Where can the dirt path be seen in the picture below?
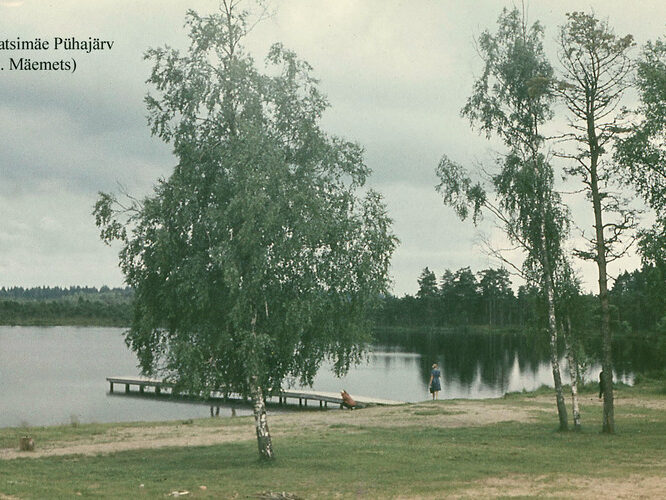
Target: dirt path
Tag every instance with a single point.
(565, 487)
(458, 413)
(449, 414)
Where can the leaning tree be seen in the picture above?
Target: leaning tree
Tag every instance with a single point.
(257, 259)
(512, 100)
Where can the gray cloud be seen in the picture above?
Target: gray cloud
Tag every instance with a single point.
(396, 74)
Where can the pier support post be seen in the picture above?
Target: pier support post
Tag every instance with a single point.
(127, 387)
(111, 387)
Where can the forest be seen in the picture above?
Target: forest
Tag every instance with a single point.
(485, 300)
(75, 305)
(489, 299)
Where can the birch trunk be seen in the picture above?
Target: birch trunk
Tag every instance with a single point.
(552, 330)
(555, 365)
(573, 373)
(261, 423)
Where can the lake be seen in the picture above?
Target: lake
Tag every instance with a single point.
(57, 375)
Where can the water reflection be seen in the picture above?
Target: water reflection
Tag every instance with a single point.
(493, 364)
(58, 375)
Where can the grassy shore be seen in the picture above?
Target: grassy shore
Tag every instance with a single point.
(488, 448)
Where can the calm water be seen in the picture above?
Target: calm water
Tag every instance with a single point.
(57, 375)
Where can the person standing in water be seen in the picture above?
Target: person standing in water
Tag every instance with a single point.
(434, 383)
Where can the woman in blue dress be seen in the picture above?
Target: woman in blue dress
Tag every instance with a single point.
(434, 383)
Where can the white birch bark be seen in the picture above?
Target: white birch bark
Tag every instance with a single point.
(573, 373)
(552, 330)
(261, 422)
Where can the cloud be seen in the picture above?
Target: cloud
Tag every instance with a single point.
(49, 237)
(396, 74)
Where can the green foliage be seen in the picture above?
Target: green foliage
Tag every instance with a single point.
(511, 100)
(263, 251)
(508, 101)
(458, 190)
(513, 94)
(640, 298)
(496, 294)
(537, 218)
(427, 284)
(641, 155)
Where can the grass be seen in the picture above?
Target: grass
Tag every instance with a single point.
(355, 461)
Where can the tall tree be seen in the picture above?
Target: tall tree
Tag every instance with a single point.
(512, 100)
(642, 154)
(427, 284)
(596, 70)
(428, 296)
(446, 293)
(259, 257)
(495, 287)
(465, 296)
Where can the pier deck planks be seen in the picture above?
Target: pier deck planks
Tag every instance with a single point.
(303, 395)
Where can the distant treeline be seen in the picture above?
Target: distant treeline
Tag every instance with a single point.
(66, 306)
(462, 298)
(47, 292)
(487, 299)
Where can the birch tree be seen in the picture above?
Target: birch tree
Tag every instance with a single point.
(259, 257)
(568, 293)
(512, 101)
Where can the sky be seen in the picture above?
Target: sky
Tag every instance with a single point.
(396, 74)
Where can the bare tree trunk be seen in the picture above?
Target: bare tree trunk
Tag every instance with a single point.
(608, 419)
(261, 422)
(573, 373)
(552, 330)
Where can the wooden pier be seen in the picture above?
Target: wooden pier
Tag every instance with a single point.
(160, 387)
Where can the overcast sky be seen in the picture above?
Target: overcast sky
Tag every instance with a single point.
(396, 74)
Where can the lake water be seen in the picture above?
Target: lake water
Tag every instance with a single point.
(57, 375)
